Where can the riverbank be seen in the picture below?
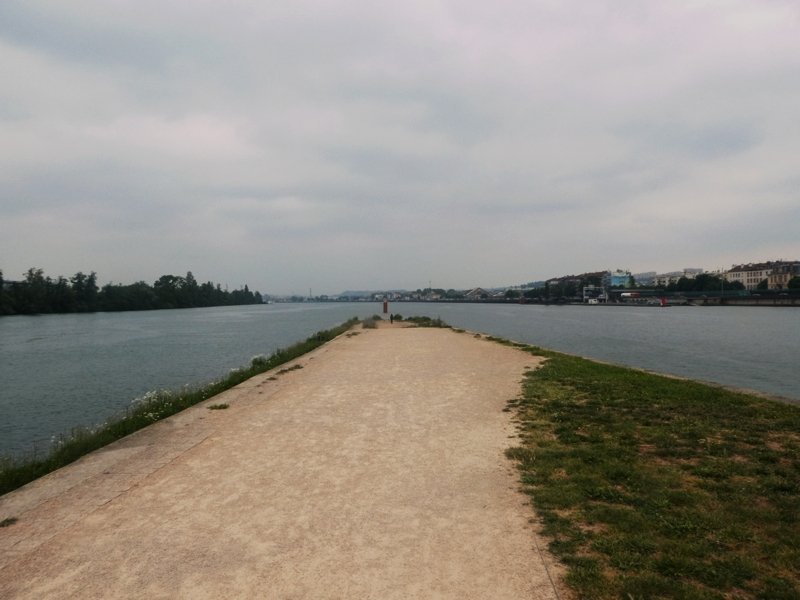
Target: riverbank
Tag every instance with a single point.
(372, 467)
(153, 407)
(656, 487)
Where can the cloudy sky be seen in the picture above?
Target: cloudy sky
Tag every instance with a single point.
(341, 145)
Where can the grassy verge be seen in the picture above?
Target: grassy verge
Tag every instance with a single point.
(427, 322)
(153, 407)
(654, 487)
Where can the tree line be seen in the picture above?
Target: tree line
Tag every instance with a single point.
(38, 294)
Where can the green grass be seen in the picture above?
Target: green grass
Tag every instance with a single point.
(153, 407)
(427, 322)
(654, 487)
(371, 322)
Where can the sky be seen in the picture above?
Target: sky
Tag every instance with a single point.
(338, 145)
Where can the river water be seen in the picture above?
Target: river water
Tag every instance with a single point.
(62, 371)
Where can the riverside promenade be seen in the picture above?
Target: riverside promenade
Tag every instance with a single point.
(374, 471)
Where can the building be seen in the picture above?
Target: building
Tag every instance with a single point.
(478, 294)
(782, 274)
(617, 278)
(665, 279)
(647, 278)
(751, 274)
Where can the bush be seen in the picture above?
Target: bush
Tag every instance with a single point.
(427, 322)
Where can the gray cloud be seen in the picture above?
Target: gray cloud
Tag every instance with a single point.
(310, 144)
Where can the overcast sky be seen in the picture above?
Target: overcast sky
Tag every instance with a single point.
(340, 145)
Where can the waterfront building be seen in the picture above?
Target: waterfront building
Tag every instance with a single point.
(665, 279)
(617, 278)
(751, 274)
(477, 294)
(781, 274)
(647, 278)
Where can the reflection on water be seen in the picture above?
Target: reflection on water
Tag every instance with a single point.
(60, 371)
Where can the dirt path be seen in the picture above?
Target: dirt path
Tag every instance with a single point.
(376, 471)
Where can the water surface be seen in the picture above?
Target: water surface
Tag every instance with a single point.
(61, 371)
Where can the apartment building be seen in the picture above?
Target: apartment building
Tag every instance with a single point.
(782, 273)
(750, 275)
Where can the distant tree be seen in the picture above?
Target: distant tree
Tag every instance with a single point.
(763, 284)
(136, 296)
(5, 299)
(534, 293)
(167, 288)
(594, 280)
(704, 282)
(512, 294)
(39, 294)
(631, 283)
(86, 291)
(60, 296)
(794, 283)
(30, 295)
(189, 292)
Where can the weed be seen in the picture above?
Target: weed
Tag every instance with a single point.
(8, 522)
(222, 406)
(427, 322)
(371, 322)
(654, 487)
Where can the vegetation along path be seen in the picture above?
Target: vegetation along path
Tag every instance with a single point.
(373, 467)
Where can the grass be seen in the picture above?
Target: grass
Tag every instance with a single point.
(371, 322)
(654, 487)
(153, 407)
(427, 322)
(222, 406)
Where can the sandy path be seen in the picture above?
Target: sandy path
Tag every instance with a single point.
(376, 471)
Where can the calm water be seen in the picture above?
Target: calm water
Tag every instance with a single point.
(60, 371)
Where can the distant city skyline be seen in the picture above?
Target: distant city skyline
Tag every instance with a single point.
(301, 145)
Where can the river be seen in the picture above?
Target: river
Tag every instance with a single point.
(62, 371)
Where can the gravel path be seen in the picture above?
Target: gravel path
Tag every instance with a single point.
(375, 471)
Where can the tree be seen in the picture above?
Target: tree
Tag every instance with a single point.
(794, 283)
(31, 293)
(60, 296)
(86, 291)
(763, 284)
(5, 299)
(167, 288)
(189, 293)
(39, 294)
